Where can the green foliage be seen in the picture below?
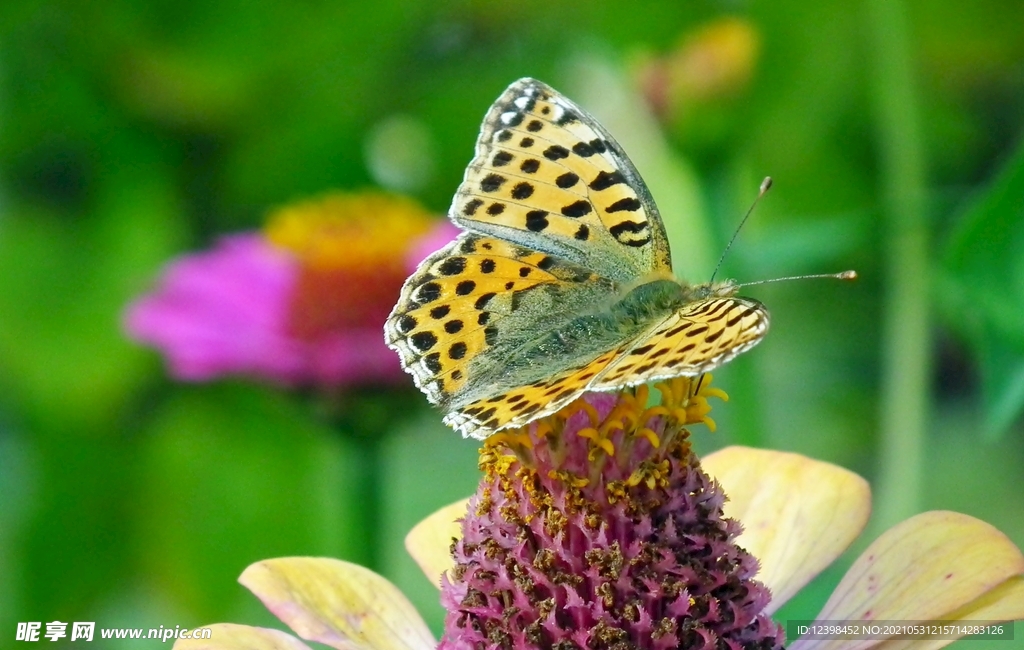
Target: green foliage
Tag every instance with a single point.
(982, 292)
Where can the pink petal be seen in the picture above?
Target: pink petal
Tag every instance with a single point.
(222, 312)
(357, 356)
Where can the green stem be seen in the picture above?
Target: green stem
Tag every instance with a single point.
(906, 343)
(365, 417)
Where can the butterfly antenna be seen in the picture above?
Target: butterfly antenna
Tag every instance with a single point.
(766, 185)
(845, 275)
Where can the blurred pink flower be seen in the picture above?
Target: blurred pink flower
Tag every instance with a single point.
(302, 303)
(713, 62)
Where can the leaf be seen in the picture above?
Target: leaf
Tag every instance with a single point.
(982, 292)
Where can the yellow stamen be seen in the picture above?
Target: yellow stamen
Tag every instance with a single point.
(651, 437)
(349, 230)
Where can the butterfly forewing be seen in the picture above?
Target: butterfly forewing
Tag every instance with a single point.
(466, 315)
(547, 176)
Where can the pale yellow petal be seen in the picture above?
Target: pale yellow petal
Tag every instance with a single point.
(932, 566)
(227, 636)
(429, 542)
(1004, 604)
(337, 603)
(798, 514)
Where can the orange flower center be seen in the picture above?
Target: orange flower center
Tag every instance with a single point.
(352, 251)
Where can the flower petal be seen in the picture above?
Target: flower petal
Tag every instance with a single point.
(1004, 603)
(429, 542)
(221, 312)
(798, 514)
(227, 636)
(933, 566)
(337, 603)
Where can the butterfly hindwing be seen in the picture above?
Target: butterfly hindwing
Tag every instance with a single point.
(547, 176)
(695, 339)
(521, 405)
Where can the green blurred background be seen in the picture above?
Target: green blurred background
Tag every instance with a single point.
(132, 132)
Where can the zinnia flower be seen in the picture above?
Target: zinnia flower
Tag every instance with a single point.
(301, 303)
(709, 63)
(598, 528)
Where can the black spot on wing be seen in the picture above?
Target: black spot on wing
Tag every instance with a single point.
(423, 341)
(536, 220)
(492, 182)
(433, 362)
(522, 191)
(440, 311)
(583, 150)
(630, 204)
(515, 119)
(406, 324)
(452, 266)
(643, 349)
(471, 207)
(622, 231)
(627, 226)
(604, 180)
(567, 117)
(428, 292)
(501, 159)
(567, 180)
(577, 209)
(556, 152)
(482, 301)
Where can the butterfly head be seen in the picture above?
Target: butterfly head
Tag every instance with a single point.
(714, 290)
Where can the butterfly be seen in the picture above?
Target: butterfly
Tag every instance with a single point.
(561, 282)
